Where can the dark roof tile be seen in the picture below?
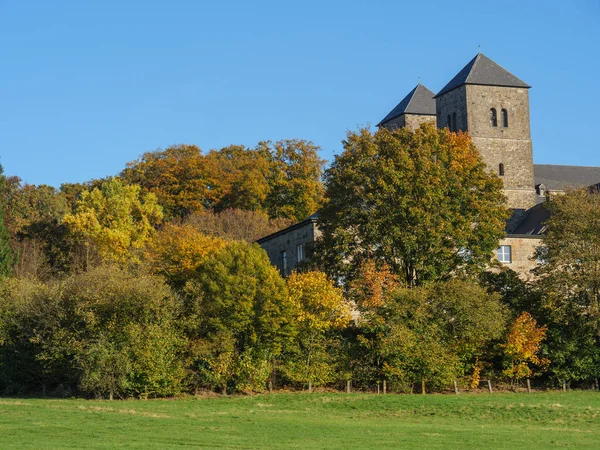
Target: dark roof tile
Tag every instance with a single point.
(559, 178)
(418, 101)
(482, 70)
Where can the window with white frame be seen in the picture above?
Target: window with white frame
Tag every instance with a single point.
(504, 254)
(299, 253)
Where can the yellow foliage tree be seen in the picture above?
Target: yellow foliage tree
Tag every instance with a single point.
(522, 348)
(319, 307)
(319, 304)
(116, 219)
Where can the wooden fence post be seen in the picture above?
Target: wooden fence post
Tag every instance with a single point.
(455, 387)
(528, 385)
(270, 387)
(378, 387)
(423, 387)
(348, 386)
(384, 387)
(490, 386)
(564, 386)
(309, 387)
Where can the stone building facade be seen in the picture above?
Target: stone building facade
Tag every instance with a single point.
(492, 105)
(289, 247)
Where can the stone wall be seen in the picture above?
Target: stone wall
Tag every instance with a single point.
(410, 121)
(510, 146)
(523, 250)
(452, 102)
(396, 122)
(303, 233)
(480, 99)
(414, 121)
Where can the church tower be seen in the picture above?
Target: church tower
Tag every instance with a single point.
(493, 106)
(416, 108)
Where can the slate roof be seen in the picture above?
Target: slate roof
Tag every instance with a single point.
(482, 70)
(534, 223)
(309, 219)
(418, 101)
(558, 178)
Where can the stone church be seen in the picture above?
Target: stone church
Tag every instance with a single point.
(491, 104)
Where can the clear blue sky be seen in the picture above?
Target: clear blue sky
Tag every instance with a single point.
(86, 86)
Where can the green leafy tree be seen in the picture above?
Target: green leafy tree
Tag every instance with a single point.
(296, 189)
(104, 332)
(569, 281)
(237, 296)
(6, 254)
(33, 218)
(422, 202)
(432, 333)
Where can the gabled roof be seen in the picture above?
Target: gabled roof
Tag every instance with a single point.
(534, 224)
(309, 219)
(418, 101)
(558, 178)
(482, 70)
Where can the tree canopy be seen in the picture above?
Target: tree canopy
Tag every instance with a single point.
(117, 219)
(422, 202)
(281, 179)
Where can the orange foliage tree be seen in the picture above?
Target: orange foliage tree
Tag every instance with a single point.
(370, 287)
(178, 250)
(180, 176)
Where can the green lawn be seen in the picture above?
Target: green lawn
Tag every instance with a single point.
(304, 421)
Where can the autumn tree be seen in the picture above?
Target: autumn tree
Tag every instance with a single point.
(569, 282)
(241, 177)
(180, 176)
(522, 348)
(420, 201)
(176, 252)
(116, 220)
(372, 285)
(236, 224)
(319, 308)
(295, 170)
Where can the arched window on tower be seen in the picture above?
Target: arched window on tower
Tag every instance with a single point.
(449, 124)
(504, 113)
(454, 127)
(493, 117)
(501, 170)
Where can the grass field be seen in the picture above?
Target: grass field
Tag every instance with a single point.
(306, 421)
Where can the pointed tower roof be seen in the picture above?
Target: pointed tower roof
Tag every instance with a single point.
(482, 70)
(418, 101)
